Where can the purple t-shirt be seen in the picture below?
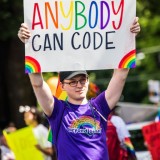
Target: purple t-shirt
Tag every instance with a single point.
(78, 130)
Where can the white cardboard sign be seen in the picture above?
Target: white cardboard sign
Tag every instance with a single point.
(79, 35)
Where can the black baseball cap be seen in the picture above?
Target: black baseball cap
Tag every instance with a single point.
(70, 74)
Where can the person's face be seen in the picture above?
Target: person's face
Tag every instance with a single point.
(76, 87)
(28, 118)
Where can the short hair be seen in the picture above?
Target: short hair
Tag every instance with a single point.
(32, 109)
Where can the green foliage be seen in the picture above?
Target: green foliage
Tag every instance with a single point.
(136, 89)
(11, 16)
(148, 42)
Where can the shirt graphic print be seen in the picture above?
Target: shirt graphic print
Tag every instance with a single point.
(85, 125)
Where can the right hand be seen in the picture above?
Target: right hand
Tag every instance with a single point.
(135, 28)
(24, 32)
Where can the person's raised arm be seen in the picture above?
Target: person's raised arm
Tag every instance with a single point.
(118, 79)
(116, 86)
(42, 92)
(40, 87)
(47, 151)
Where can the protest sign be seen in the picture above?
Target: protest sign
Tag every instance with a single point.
(22, 142)
(151, 134)
(78, 35)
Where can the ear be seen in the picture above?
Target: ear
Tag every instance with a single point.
(62, 86)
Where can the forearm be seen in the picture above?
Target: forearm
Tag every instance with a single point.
(121, 74)
(42, 92)
(116, 86)
(47, 151)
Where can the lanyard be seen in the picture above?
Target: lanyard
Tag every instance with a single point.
(98, 112)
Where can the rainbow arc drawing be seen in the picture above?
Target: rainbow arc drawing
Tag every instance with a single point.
(129, 60)
(31, 65)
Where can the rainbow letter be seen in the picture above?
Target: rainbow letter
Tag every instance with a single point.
(106, 4)
(121, 6)
(55, 20)
(79, 14)
(36, 8)
(70, 13)
(90, 14)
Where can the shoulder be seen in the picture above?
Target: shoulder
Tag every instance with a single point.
(118, 121)
(100, 99)
(59, 106)
(116, 118)
(41, 129)
(41, 126)
(101, 104)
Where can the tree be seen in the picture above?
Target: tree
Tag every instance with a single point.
(15, 88)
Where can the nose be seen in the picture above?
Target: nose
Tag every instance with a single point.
(79, 84)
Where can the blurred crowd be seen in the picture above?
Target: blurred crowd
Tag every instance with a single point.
(35, 119)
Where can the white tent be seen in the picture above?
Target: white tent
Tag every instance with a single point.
(135, 112)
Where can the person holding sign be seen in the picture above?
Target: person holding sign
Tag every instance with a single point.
(119, 143)
(32, 118)
(5, 151)
(78, 125)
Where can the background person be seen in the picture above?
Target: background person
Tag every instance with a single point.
(33, 118)
(6, 152)
(119, 144)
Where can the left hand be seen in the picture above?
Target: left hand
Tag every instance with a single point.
(135, 28)
(38, 147)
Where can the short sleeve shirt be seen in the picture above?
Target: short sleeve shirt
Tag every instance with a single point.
(78, 131)
(41, 134)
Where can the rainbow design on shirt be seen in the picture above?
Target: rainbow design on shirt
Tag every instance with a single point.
(31, 65)
(129, 60)
(85, 121)
(85, 125)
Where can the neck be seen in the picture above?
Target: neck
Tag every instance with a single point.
(34, 124)
(78, 101)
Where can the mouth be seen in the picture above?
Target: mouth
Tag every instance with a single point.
(80, 91)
